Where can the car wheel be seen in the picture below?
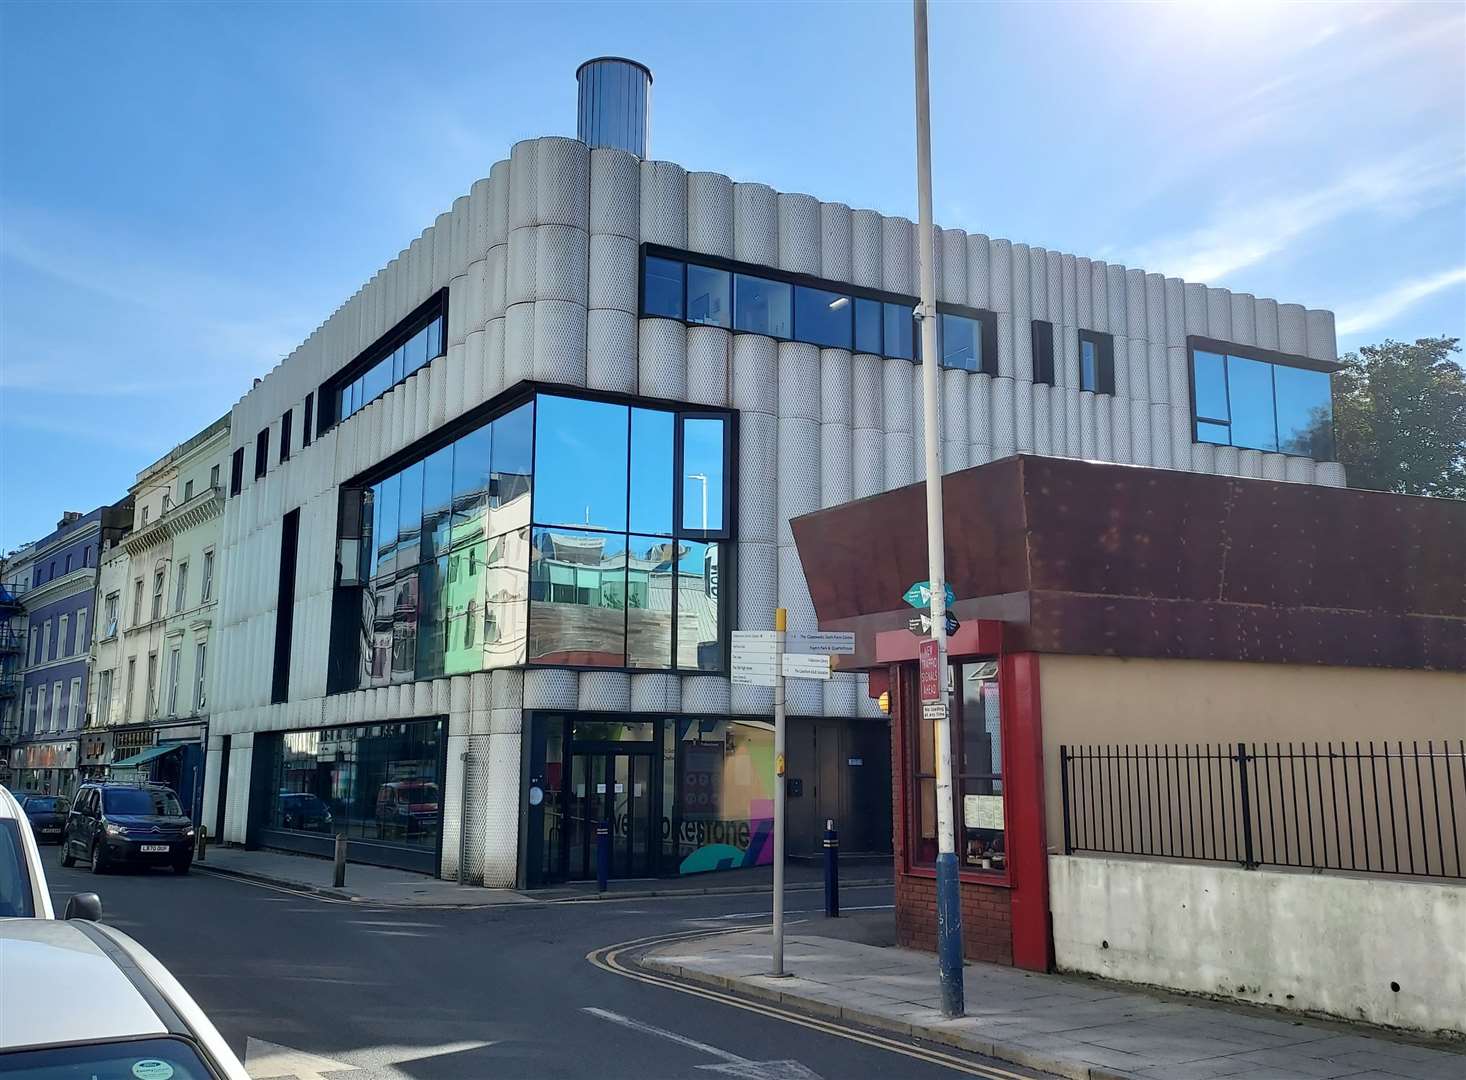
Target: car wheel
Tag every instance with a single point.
(99, 859)
(183, 867)
(67, 858)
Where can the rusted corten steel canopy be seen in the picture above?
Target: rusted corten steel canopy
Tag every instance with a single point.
(1116, 560)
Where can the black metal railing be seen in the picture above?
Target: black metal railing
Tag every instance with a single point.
(1393, 808)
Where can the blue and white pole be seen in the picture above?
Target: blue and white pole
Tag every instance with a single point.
(949, 906)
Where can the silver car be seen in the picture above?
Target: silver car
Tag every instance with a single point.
(85, 1000)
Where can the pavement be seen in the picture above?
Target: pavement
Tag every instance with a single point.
(1085, 1029)
(382, 886)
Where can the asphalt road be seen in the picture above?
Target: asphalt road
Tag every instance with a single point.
(502, 993)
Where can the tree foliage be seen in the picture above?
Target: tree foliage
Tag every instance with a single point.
(1400, 417)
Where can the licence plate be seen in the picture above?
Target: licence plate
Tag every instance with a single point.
(48, 832)
(154, 849)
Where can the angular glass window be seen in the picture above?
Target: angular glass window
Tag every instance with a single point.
(415, 352)
(409, 511)
(823, 318)
(649, 602)
(375, 381)
(761, 307)
(1207, 432)
(404, 628)
(652, 485)
(661, 287)
(398, 358)
(898, 332)
(510, 480)
(434, 336)
(437, 502)
(580, 463)
(1088, 365)
(699, 635)
(868, 326)
(702, 473)
(1250, 394)
(577, 588)
(471, 456)
(384, 525)
(1209, 386)
(1305, 412)
(708, 296)
(961, 343)
(431, 585)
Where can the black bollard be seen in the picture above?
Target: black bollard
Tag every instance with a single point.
(832, 871)
(603, 854)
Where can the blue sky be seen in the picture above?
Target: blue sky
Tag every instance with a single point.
(187, 190)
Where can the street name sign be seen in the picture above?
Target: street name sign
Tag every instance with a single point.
(806, 665)
(920, 595)
(829, 642)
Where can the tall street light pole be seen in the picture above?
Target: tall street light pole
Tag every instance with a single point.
(949, 906)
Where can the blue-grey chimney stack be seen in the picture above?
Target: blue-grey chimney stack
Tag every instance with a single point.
(615, 104)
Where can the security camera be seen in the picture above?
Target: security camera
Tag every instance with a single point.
(916, 313)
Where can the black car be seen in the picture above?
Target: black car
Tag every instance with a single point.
(112, 824)
(47, 815)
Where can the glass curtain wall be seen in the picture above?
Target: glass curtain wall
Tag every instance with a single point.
(1245, 402)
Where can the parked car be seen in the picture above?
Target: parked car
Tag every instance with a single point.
(304, 811)
(111, 824)
(85, 1000)
(407, 807)
(23, 890)
(47, 814)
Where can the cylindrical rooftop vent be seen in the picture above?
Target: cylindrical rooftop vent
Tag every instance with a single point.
(615, 104)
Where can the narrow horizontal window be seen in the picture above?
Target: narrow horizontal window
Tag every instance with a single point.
(661, 287)
(898, 331)
(868, 326)
(709, 296)
(823, 318)
(761, 306)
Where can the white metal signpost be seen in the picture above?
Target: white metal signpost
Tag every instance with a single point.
(760, 659)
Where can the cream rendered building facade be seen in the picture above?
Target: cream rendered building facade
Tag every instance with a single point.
(542, 263)
(158, 591)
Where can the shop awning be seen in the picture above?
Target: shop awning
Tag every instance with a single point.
(150, 754)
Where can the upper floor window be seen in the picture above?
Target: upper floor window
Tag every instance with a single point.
(214, 477)
(187, 490)
(285, 433)
(236, 472)
(262, 452)
(705, 291)
(307, 419)
(417, 340)
(109, 616)
(159, 579)
(206, 584)
(1260, 403)
(137, 601)
(1043, 351)
(180, 594)
(1096, 362)
(147, 512)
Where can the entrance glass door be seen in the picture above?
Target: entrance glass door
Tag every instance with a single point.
(616, 788)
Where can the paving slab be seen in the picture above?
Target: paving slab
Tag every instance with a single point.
(1077, 1028)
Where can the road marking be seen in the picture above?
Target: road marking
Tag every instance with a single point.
(663, 1033)
(608, 958)
(269, 1061)
(801, 911)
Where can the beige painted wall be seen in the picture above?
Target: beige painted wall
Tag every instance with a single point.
(1105, 700)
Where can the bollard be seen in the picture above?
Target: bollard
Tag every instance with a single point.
(603, 854)
(203, 843)
(340, 875)
(832, 871)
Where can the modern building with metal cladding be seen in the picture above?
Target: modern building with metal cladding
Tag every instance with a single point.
(490, 526)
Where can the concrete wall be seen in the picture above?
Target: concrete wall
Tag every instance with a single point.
(540, 261)
(1108, 700)
(1383, 951)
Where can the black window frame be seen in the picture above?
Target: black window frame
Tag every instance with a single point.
(1041, 334)
(236, 472)
(287, 421)
(1104, 361)
(262, 453)
(987, 320)
(1273, 358)
(434, 308)
(307, 420)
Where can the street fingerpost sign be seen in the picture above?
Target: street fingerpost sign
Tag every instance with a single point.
(920, 595)
(755, 657)
(921, 625)
(806, 666)
(828, 642)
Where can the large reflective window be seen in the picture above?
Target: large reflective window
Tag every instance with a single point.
(506, 618)
(702, 473)
(661, 287)
(384, 595)
(868, 326)
(709, 296)
(434, 336)
(471, 457)
(409, 510)
(652, 459)
(1250, 392)
(415, 352)
(376, 381)
(577, 587)
(465, 599)
(725, 802)
(404, 627)
(437, 502)
(961, 343)
(898, 329)
(823, 318)
(385, 524)
(513, 468)
(580, 463)
(432, 583)
(1305, 412)
(649, 602)
(761, 307)
(699, 636)
(1209, 386)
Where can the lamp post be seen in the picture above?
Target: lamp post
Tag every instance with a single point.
(702, 477)
(949, 906)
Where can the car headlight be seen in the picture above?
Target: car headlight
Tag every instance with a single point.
(188, 832)
(115, 830)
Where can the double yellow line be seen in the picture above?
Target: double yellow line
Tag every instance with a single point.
(608, 958)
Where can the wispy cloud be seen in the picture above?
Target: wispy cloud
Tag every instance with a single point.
(1386, 306)
(1243, 233)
